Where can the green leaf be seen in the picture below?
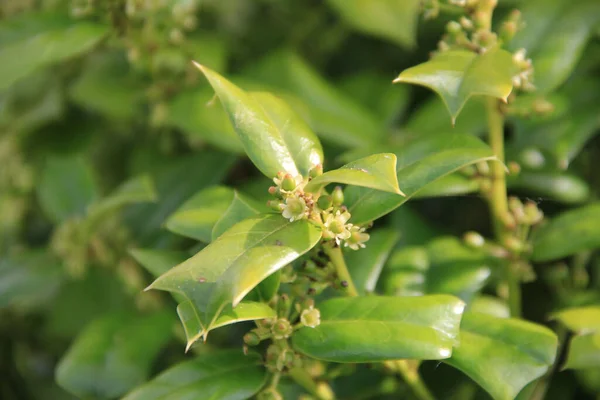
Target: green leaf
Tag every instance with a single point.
(503, 354)
(137, 190)
(365, 265)
(274, 137)
(197, 217)
(445, 265)
(195, 112)
(224, 374)
(580, 319)
(245, 311)
(457, 75)
(29, 280)
(21, 57)
(388, 19)
(241, 207)
(376, 172)
(370, 329)
(113, 354)
(227, 269)
(419, 163)
(555, 36)
(431, 118)
(489, 305)
(331, 113)
(159, 262)
(66, 187)
(549, 240)
(450, 185)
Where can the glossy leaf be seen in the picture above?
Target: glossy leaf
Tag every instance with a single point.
(335, 117)
(419, 163)
(431, 118)
(556, 34)
(21, 57)
(241, 207)
(484, 304)
(274, 137)
(224, 374)
(195, 329)
(197, 217)
(376, 172)
(581, 319)
(503, 355)
(457, 75)
(66, 188)
(368, 329)
(445, 265)
(455, 184)
(549, 241)
(388, 19)
(113, 354)
(366, 264)
(159, 262)
(227, 269)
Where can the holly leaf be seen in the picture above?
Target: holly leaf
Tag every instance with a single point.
(377, 172)
(457, 75)
(227, 269)
(370, 329)
(241, 207)
(420, 163)
(584, 349)
(503, 355)
(274, 137)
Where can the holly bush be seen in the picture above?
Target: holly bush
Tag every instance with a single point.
(341, 199)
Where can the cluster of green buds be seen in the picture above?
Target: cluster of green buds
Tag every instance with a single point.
(481, 173)
(524, 79)
(327, 211)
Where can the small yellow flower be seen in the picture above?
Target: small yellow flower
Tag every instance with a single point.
(357, 238)
(294, 208)
(336, 227)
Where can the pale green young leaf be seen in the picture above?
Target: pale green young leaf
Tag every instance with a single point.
(584, 349)
(224, 374)
(274, 137)
(370, 329)
(457, 75)
(503, 355)
(376, 172)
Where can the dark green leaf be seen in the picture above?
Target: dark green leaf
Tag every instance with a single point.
(225, 374)
(136, 190)
(549, 242)
(66, 187)
(564, 187)
(241, 207)
(419, 164)
(227, 269)
(388, 19)
(365, 265)
(503, 354)
(113, 354)
(274, 137)
(367, 329)
(457, 75)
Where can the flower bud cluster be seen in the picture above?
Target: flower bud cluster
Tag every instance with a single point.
(524, 79)
(327, 211)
